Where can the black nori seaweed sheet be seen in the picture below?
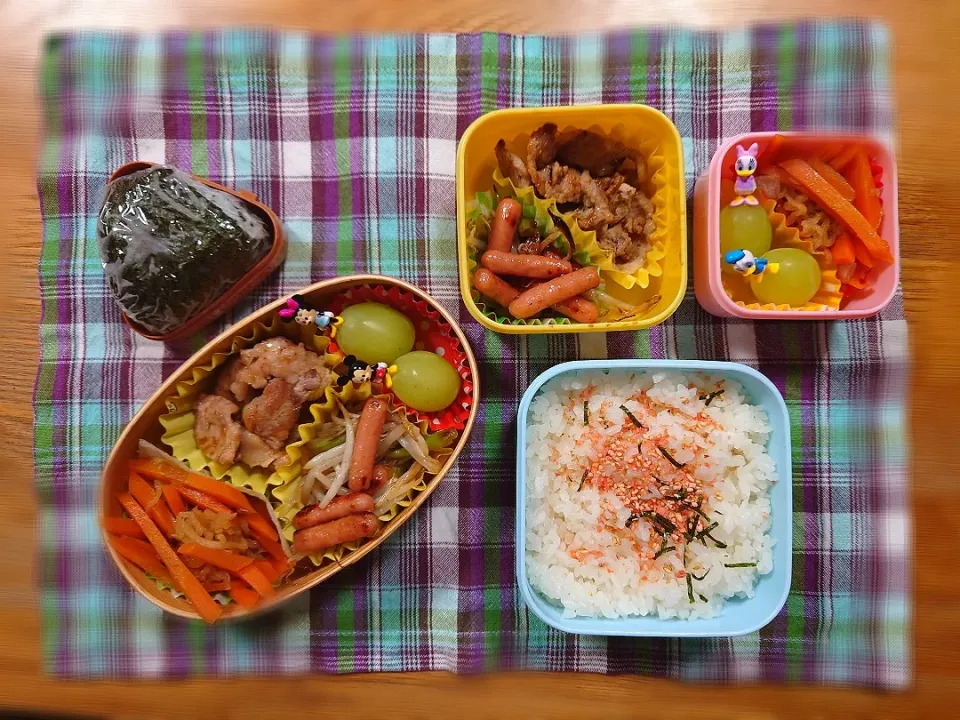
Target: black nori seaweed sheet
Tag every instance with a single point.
(171, 245)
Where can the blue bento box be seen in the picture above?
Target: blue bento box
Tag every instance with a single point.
(739, 616)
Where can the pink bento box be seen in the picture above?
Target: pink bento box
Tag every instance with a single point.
(706, 232)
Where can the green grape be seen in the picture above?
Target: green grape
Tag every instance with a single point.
(745, 227)
(375, 333)
(797, 280)
(425, 381)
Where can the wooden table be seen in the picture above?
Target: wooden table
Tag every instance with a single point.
(928, 95)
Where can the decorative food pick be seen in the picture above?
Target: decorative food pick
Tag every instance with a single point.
(746, 185)
(425, 381)
(359, 372)
(297, 310)
(749, 265)
(745, 227)
(375, 333)
(796, 281)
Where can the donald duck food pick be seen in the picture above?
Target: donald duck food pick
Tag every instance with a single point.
(746, 185)
(748, 265)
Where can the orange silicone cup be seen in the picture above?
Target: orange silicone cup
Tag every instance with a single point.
(706, 229)
(217, 307)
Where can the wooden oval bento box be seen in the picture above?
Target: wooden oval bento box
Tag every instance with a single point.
(146, 425)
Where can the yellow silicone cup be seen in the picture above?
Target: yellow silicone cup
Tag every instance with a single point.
(655, 186)
(583, 241)
(828, 296)
(656, 137)
(287, 494)
(179, 421)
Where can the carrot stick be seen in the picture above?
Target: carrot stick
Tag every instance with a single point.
(863, 255)
(144, 494)
(282, 566)
(261, 527)
(834, 178)
(859, 278)
(243, 595)
(842, 250)
(826, 196)
(840, 161)
(268, 542)
(771, 153)
(168, 472)
(201, 499)
(222, 585)
(122, 526)
(251, 573)
(829, 151)
(218, 558)
(268, 570)
(861, 178)
(849, 291)
(141, 554)
(185, 580)
(173, 499)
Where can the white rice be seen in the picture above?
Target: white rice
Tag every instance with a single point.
(728, 456)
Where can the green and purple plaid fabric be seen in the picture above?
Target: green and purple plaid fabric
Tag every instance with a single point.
(352, 141)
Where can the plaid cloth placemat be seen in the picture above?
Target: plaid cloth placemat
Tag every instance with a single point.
(352, 141)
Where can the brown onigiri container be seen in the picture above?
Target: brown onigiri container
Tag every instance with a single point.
(270, 262)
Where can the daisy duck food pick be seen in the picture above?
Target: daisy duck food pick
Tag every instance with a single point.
(746, 184)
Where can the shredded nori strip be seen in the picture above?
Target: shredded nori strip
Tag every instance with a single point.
(690, 588)
(721, 545)
(586, 414)
(703, 598)
(664, 549)
(583, 480)
(709, 398)
(657, 519)
(739, 565)
(664, 522)
(631, 520)
(706, 530)
(691, 530)
(668, 456)
(696, 508)
(633, 418)
(701, 578)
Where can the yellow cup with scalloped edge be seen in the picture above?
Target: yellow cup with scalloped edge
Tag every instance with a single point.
(660, 285)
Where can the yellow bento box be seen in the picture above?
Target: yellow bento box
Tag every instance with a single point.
(639, 127)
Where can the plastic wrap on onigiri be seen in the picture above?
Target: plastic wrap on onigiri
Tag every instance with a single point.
(170, 245)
